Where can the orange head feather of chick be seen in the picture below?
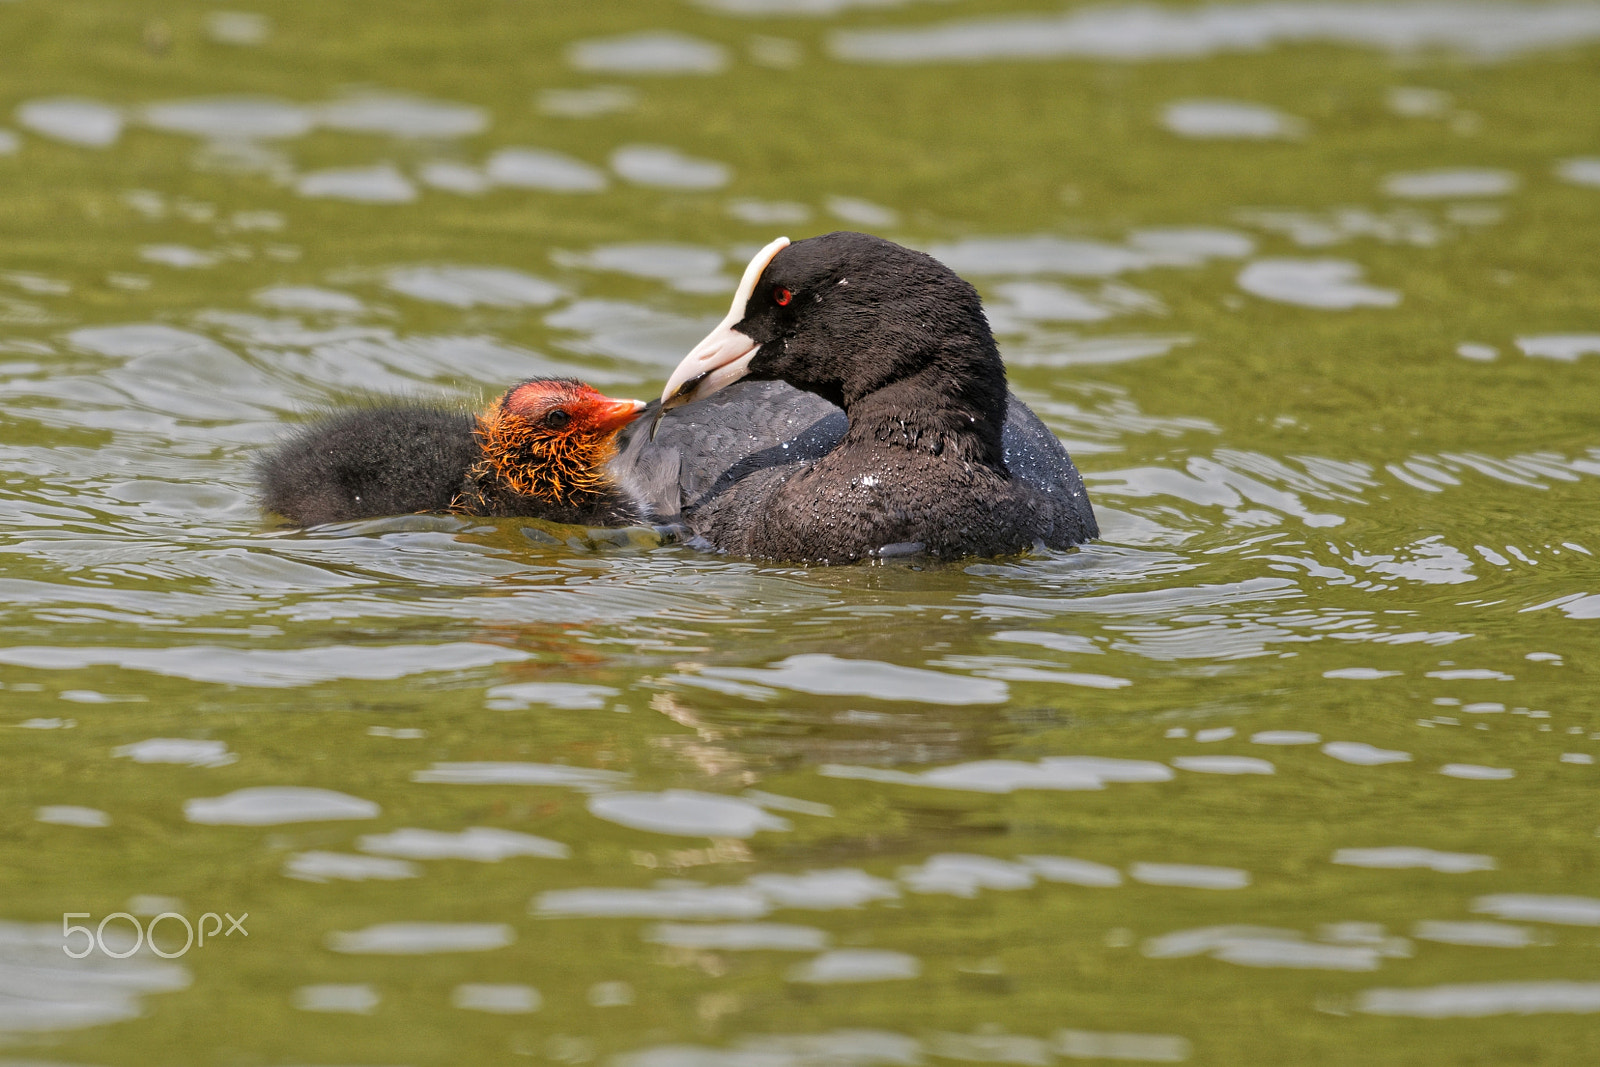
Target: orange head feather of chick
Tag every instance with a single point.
(548, 438)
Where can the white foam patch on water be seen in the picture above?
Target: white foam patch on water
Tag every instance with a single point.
(861, 212)
(1224, 764)
(1404, 857)
(351, 999)
(1579, 171)
(856, 965)
(1540, 908)
(1285, 737)
(272, 805)
(1329, 284)
(1477, 772)
(72, 815)
(567, 695)
(496, 999)
(675, 901)
(9, 142)
(421, 938)
(230, 118)
(379, 184)
(1259, 946)
(1070, 871)
(1474, 934)
(540, 168)
(452, 177)
(650, 52)
(72, 119)
(1568, 347)
(1362, 754)
(401, 115)
(1190, 876)
(308, 298)
(960, 874)
(1447, 184)
(1225, 120)
(42, 989)
(769, 212)
(269, 667)
(519, 774)
(1481, 999)
(588, 103)
(828, 675)
(739, 937)
(668, 168)
(177, 750)
(826, 890)
(481, 843)
(242, 28)
(687, 812)
(466, 287)
(1140, 32)
(344, 867)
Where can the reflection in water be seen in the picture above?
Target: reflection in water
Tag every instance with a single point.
(1474, 1000)
(1134, 33)
(72, 119)
(270, 805)
(416, 939)
(1229, 119)
(1405, 857)
(856, 965)
(43, 989)
(658, 52)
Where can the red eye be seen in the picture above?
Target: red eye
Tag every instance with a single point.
(782, 295)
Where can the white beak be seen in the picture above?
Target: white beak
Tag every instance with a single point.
(724, 356)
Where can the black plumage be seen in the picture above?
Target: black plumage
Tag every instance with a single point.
(384, 458)
(934, 455)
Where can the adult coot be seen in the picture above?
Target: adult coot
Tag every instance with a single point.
(900, 343)
(541, 450)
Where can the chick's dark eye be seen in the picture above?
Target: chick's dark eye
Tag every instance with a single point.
(557, 419)
(781, 295)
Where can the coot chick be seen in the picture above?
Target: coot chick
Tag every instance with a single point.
(541, 450)
(900, 342)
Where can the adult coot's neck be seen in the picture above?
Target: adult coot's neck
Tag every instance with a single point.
(954, 406)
